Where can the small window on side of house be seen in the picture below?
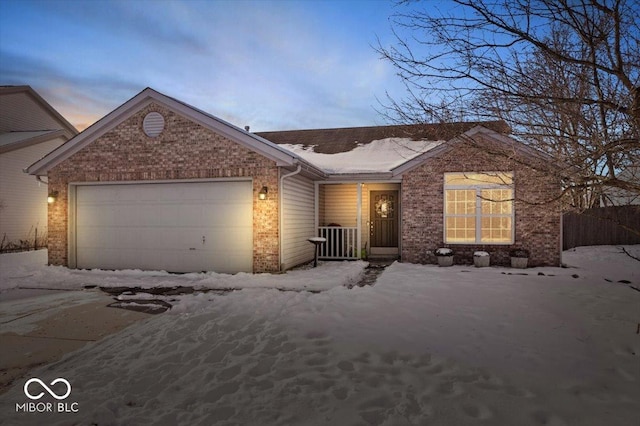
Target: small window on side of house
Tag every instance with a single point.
(478, 208)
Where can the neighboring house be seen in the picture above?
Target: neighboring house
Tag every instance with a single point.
(158, 184)
(621, 197)
(29, 129)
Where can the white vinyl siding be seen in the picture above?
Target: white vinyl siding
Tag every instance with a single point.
(341, 205)
(478, 208)
(177, 227)
(23, 199)
(298, 206)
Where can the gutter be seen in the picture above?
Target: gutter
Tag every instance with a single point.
(280, 207)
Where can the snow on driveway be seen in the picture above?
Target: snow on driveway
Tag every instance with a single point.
(425, 345)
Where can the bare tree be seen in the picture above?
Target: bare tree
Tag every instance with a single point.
(564, 74)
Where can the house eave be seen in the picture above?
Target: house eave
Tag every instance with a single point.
(307, 169)
(362, 177)
(23, 143)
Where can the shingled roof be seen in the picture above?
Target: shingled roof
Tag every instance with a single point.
(332, 141)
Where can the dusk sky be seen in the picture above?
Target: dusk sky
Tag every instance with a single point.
(273, 65)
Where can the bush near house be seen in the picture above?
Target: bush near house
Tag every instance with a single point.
(34, 240)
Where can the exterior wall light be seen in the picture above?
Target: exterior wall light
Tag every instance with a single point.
(53, 195)
(262, 195)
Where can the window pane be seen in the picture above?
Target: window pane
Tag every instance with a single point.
(460, 229)
(497, 201)
(478, 179)
(496, 229)
(460, 201)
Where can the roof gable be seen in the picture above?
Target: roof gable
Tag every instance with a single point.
(22, 109)
(506, 141)
(250, 141)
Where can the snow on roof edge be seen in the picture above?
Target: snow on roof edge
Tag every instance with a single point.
(378, 156)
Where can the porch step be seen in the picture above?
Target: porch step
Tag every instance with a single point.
(383, 259)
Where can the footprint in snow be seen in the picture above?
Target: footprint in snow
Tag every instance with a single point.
(544, 418)
(346, 366)
(477, 411)
(222, 390)
(262, 367)
(340, 393)
(316, 334)
(316, 361)
(229, 373)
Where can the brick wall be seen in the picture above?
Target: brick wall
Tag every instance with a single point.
(537, 214)
(184, 150)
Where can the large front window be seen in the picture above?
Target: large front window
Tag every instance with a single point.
(478, 208)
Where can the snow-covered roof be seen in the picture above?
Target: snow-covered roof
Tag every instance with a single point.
(378, 156)
(373, 151)
(342, 139)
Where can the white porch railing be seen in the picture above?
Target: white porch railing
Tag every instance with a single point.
(342, 242)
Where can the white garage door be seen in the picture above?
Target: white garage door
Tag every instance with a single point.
(176, 227)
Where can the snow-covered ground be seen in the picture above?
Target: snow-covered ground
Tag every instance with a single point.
(425, 345)
(28, 270)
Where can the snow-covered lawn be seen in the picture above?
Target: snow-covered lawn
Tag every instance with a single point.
(27, 270)
(424, 346)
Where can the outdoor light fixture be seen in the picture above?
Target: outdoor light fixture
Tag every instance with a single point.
(263, 193)
(53, 195)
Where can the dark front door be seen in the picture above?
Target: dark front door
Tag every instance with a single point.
(383, 212)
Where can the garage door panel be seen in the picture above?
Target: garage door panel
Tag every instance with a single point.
(240, 243)
(190, 214)
(230, 215)
(216, 240)
(161, 226)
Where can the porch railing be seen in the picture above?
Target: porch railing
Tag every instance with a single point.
(342, 242)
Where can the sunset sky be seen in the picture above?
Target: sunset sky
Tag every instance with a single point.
(273, 65)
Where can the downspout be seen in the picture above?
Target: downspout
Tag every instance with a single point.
(280, 207)
(39, 179)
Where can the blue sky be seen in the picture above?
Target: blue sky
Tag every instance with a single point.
(272, 65)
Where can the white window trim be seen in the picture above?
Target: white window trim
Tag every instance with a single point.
(478, 213)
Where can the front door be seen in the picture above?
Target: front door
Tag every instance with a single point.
(383, 213)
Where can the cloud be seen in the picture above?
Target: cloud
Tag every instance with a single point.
(271, 65)
(80, 99)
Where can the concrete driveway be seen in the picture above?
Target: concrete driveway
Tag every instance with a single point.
(38, 327)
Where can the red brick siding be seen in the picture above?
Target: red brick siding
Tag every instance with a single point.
(537, 222)
(184, 150)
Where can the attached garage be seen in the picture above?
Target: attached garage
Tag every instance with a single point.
(177, 226)
(159, 185)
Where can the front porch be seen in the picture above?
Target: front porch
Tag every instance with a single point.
(358, 219)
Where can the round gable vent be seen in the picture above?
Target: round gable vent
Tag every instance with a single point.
(153, 124)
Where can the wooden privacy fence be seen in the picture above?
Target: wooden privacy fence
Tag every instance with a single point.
(601, 226)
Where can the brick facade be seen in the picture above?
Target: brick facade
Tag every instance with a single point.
(184, 150)
(537, 215)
